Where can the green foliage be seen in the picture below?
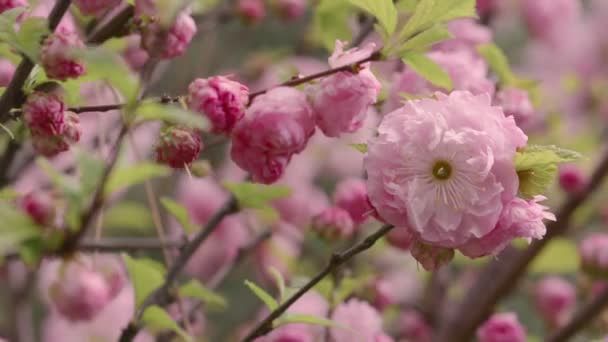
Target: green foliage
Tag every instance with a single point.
(560, 256)
(430, 12)
(307, 319)
(171, 114)
(428, 69)
(157, 319)
(146, 275)
(279, 281)
(426, 39)
(194, 289)
(536, 167)
(179, 213)
(127, 176)
(128, 216)
(383, 10)
(359, 147)
(331, 22)
(264, 296)
(256, 196)
(29, 37)
(15, 228)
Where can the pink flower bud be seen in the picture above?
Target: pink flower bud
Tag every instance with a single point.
(178, 147)
(515, 102)
(179, 37)
(58, 57)
(431, 257)
(351, 195)
(555, 300)
(500, 328)
(341, 100)
(571, 178)
(6, 5)
(253, 11)
(413, 327)
(291, 9)
(594, 254)
(400, 237)
(334, 224)
(7, 70)
(44, 113)
(80, 293)
(39, 206)
(222, 100)
(95, 7)
(275, 127)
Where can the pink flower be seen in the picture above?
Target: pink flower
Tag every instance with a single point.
(555, 300)
(58, 55)
(179, 36)
(444, 168)
(431, 257)
(7, 70)
(503, 327)
(275, 127)
(546, 19)
(39, 206)
(341, 100)
(44, 113)
(253, 11)
(334, 224)
(515, 102)
(467, 71)
(519, 219)
(220, 99)
(467, 34)
(351, 195)
(400, 237)
(413, 327)
(6, 5)
(486, 7)
(95, 7)
(311, 304)
(572, 179)
(50, 145)
(291, 9)
(134, 55)
(361, 319)
(178, 147)
(594, 254)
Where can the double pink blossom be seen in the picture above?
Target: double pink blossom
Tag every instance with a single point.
(58, 55)
(178, 147)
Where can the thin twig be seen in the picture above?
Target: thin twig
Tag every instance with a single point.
(582, 318)
(337, 259)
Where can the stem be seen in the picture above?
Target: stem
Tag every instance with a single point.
(337, 259)
(503, 274)
(585, 316)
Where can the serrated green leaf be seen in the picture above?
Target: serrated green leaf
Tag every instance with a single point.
(156, 318)
(180, 214)
(383, 10)
(145, 276)
(497, 61)
(430, 12)
(428, 69)
(15, 228)
(426, 39)
(171, 114)
(125, 177)
(560, 256)
(359, 147)
(264, 296)
(537, 180)
(279, 281)
(256, 196)
(128, 216)
(308, 319)
(194, 289)
(331, 22)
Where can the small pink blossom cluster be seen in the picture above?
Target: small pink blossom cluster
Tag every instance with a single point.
(85, 286)
(59, 55)
(442, 169)
(500, 328)
(52, 127)
(594, 254)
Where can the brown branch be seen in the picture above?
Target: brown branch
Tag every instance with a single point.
(585, 316)
(337, 259)
(502, 275)
(112, 27)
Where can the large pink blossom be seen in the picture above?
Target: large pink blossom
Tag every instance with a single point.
(444, 167)
(361, 320)
(516, 102)
(503, 327)
(519, 219)
(341, 100)
(555, 300)
(275, 127)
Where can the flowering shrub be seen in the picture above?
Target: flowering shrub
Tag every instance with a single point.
(302, 171)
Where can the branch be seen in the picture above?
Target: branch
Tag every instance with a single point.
(112, 26)
(585, 316)
(503, 274)
(337, 259)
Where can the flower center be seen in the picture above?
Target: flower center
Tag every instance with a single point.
(442, 170)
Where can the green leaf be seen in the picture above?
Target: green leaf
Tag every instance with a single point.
(180, 214)
(171, 114)
(560, 256)
(426, 39)
(428, 69)
(359, 147)
(256, 196)
(128, 216)
(383, 10)
(497, 61)
(30, 35)
(431, 12)
(279, 281)
(145, 275)
(308, 319)
(331, 22)
(264, 296)
(157, 319)
(15, 228)
(71, 190)
(134, 174)
(90, 170)
(194, 289)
